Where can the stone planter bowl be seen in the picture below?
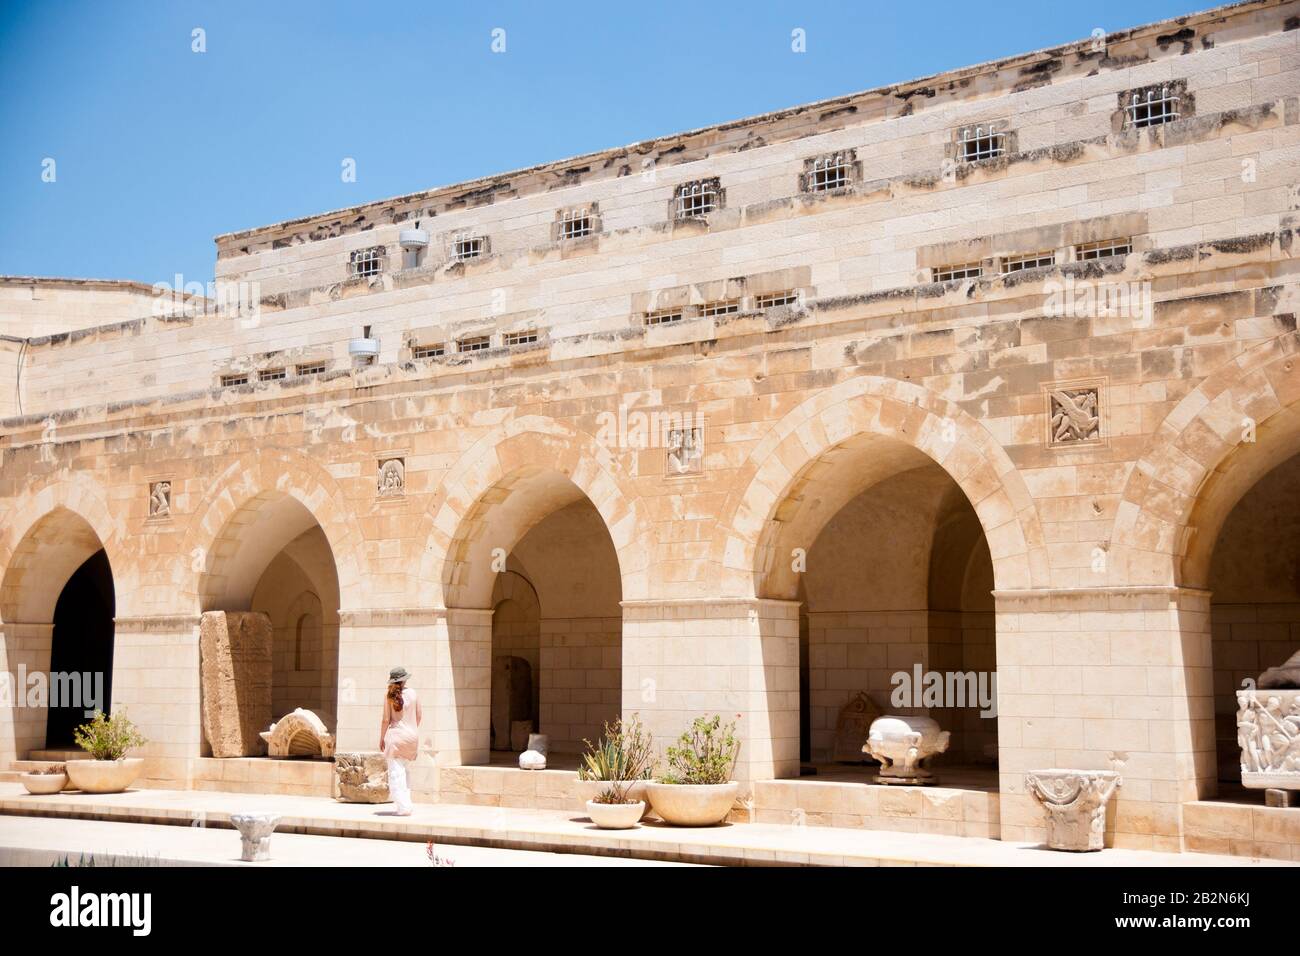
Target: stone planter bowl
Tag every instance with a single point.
(104, 776)
(44, 782)
(615, 816)
(692, 805)
(588, 790)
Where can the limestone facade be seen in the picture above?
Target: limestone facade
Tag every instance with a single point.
(747, 463)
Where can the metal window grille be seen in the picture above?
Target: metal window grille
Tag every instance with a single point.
(979, 142)
(270, 374)
(521, 338)
(773, 299)
(310, 368)
(428, 351)
(830, 172)
(229, 381)
(1034, 261)
(476, 344)
(366, 262)
(663, 317)
(1153, 107)
(466, 247)
(724, 307)
(575, 223)
(1101, 250)
(969, 270)
(696, 199)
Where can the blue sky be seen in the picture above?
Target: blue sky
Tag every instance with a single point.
(157, 148)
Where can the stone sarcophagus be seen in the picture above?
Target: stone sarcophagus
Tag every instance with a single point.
(1268, 730)
(235, 667)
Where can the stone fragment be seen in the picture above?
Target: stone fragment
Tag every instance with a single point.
(1268, 732)
(235, 655)
(255, 831)
(361, 777)
(300, 734)
(1075, 803)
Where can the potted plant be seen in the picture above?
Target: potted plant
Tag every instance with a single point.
(107, 740)
(697, 789)
(615, 770)
(50, 779)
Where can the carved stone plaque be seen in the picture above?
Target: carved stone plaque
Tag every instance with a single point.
(852, 727)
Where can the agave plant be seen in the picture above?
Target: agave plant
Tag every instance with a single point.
(622, 756)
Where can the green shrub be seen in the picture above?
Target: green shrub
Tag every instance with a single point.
(623, 755)
(108, 738)
(705, 754)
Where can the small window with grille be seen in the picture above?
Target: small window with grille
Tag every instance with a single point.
(721, 307)
(663, 317)
(1152, 105)
(1034, 261)
(310, 368)
(1102, 250)
(229, 381)
(476, 343)
(697, 199)
(270, 374)
(968, 270)
(833, 171)
(527, 337)
(980, 142)
(366, 262)
(576, 223)
(771, 300)
(465, 247)
(428, 351)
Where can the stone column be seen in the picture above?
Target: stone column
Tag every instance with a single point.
(1107, 679)
(447, 651)
(692, 658)
(156, 683)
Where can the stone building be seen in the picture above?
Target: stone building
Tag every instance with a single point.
(989, 372)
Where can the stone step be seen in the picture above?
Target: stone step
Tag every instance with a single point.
(58, 756)
(10, 776)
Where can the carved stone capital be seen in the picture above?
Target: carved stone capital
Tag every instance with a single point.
(1075, 803)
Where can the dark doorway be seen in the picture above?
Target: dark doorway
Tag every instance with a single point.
(82, 644)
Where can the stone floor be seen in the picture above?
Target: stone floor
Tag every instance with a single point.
(561, 831)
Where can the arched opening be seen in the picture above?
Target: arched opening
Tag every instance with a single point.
(1254, 578)
(58, 604)
(274, 559)
(893, 573)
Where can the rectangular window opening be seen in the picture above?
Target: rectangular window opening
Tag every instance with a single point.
(464, 248)
(477, 343)
(722, 307)
(310, 368)
(978, 142)
(575, 223)
(663, 317)
(697, 199)
(428, 351)
(969, 270)
(830, 172)
(771, 300)
(230, 381)
(1034, 261)
(1153, 107)
(1102, 250)
(521, 338)
(366, 262)
(270, 374)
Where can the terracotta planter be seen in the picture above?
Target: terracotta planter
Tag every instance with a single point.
(615, 816)
(44, 782)
(104, 776)
(588, 790)
(690, 805)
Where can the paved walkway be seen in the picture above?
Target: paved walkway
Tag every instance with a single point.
(558, 831)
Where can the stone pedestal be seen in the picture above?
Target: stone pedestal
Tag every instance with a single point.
(1268, 731)
(255, 831)
(235, 664)
(1075, 802)
(361, 777)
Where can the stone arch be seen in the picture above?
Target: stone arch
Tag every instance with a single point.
(871, 408)
(1202, 459)
(527, 467)
(64, 522)
(265, 480)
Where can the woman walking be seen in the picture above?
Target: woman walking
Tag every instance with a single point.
(399, 737)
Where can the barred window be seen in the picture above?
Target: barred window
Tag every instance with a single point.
(663, 317)
(229, 381)
(270, 374)
(771, 300)
(476, 343)
(1153, 106)
(527, 337)
(969, 270)
(1034, 261)
(576, 223)
(1104, 249)
(721, 307)
(465, 247)
(980, 142)
(366, 262)
(428, 351)
(310, 368)
(830, 172)
(696, 199)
